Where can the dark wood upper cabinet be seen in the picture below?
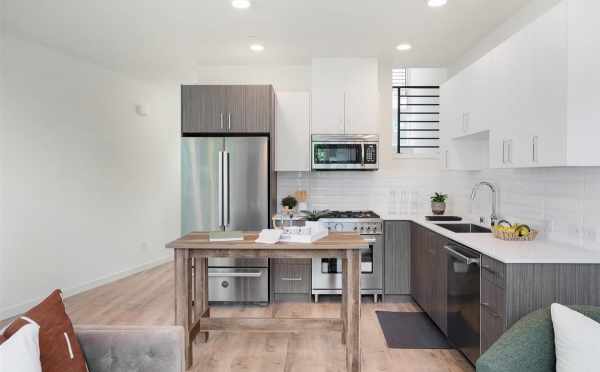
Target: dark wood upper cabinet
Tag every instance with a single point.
(226, 109)
(234, 108)
(202, 108)
(259, 108)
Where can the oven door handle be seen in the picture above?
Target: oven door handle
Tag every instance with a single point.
(460, 256)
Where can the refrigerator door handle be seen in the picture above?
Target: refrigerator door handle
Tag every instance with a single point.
(220, 190)
(226, 190)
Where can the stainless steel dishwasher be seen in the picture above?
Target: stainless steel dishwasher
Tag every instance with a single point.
(463, 299)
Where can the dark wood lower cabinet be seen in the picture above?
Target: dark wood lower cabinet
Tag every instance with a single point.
(508, 291)
(439, 287)
(397, 261)
(429, 274)
(291, 276)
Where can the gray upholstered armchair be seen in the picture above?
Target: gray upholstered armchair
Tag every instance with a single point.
(528, 346)
(125, 348)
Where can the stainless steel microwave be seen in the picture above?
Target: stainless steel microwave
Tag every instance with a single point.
(345, 152)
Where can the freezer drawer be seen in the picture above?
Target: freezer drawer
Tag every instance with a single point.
(238, 284)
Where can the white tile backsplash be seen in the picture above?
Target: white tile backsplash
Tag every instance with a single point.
(563, 203)
(385, 194)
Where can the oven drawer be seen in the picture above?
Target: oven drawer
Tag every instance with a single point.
(237, 262)
(238, 284)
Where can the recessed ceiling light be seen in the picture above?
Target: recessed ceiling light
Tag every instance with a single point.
(436, 3)
(404, 47)
(241, 4)
(257, 47)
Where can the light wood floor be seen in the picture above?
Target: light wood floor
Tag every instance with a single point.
(147, 299)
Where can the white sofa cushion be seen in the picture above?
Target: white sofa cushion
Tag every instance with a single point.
(577, 340)
(21, 352)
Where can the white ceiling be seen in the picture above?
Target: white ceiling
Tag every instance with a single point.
(166, 37)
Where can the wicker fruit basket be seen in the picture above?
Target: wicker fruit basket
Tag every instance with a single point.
(514, 236)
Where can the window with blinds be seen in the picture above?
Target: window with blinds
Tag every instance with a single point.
(416, 116)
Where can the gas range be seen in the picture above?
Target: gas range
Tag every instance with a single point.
(363, 222)
(326, 272)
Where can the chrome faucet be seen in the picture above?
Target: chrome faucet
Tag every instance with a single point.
(494, 216)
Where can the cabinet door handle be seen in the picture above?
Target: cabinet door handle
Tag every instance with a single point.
(487, 306)
(489, 269)
(221, 120)
(446, 159)
(503, 151)
(291, 279)
(466, 122)
(534, 149)
(229, 120)
(509, 148)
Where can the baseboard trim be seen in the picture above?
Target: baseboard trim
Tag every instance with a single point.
(12, 311)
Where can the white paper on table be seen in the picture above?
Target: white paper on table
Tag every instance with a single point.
(269, 236)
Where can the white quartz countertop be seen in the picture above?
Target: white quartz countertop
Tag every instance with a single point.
(537, 251)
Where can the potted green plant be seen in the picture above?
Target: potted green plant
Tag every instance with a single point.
(438, 203)
(312, 219)
(289, 203)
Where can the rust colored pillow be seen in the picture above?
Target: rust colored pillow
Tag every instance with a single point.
(59, 347)
(2, 339)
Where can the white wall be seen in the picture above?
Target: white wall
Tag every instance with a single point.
(532, 10)
(89, 190)
(282, 77)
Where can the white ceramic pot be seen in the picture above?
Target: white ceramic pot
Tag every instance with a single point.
(438, 208)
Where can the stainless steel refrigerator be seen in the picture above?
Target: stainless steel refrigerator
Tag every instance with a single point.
(225, 186)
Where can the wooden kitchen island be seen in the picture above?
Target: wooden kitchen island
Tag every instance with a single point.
(191, 288)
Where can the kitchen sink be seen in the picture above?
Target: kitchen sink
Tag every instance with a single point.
(464, 228)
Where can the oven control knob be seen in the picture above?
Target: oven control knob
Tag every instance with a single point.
(362, 228)
(339, 227)
(355, 228)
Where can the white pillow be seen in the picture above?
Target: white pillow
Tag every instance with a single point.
(577, 340)
(21, 352)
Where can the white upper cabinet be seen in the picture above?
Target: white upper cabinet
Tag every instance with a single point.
(583, 81)
(292, 132)
(345, 95)
(328, 96)
(518, 92)
(529, 124)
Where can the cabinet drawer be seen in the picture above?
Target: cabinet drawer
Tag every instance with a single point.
(492, 327)
(493, 298)
(291, 276)
(493, 271)
(493, 310)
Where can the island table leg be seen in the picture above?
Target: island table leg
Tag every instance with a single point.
(353, 357)
(183, 299)
(344, 312)
(201, 308)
